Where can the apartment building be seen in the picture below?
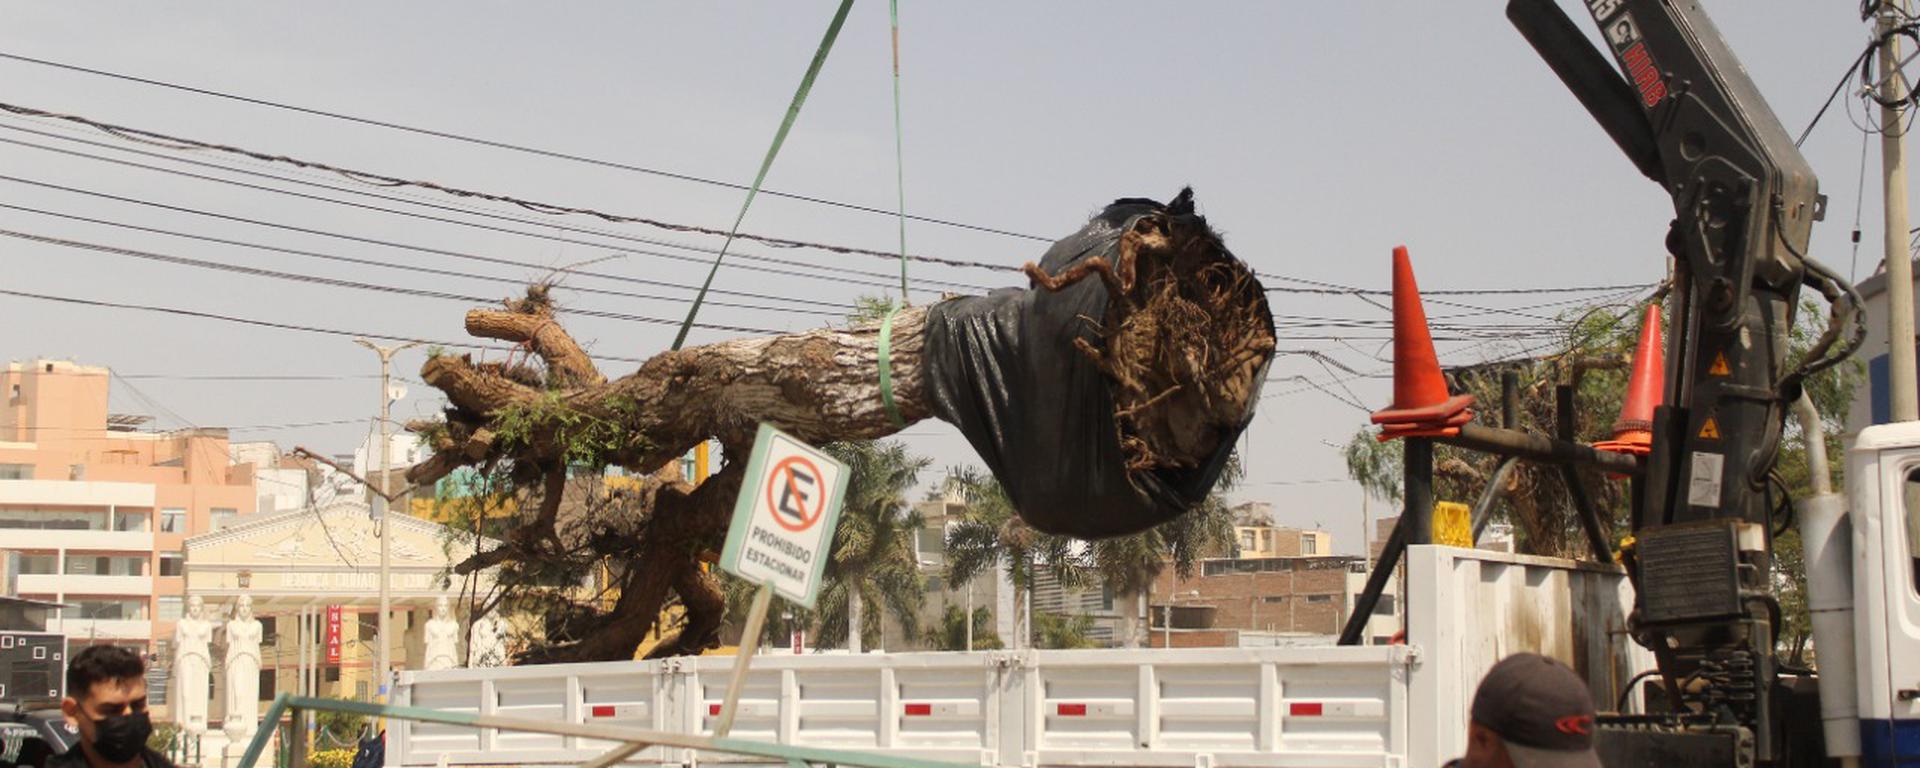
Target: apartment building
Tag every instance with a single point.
(1280, 541)
(990, 591)
(99, 510)
(1255, 534)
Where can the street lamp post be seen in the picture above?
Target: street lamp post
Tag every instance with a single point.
(384, 662)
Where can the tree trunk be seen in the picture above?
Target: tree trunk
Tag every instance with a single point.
(1181, 346)
(854, 616)
(1129, 611)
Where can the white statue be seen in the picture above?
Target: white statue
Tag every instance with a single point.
(443, 637)
(487, 642)
(192, 667)
(243, 672)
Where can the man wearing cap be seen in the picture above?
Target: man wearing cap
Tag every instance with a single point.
(1530, 712)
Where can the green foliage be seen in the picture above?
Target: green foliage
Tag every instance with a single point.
(1374, 464)
(589, 442)
(161, 740)
(342, 727)
(1052, 630)
(1832, 394)
(331, 758)
(1600, 342)
(873, 558)
(868, 310)
(992, 535)
(951, 634)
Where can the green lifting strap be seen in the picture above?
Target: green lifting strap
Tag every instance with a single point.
(779, 138)
(886, 368)
(899, 160)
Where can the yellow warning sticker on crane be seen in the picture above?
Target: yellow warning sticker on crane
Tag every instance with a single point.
(1720, 367)
(1452, 524)
(1710, 430)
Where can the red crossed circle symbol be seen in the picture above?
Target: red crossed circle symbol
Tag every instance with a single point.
(796, 503)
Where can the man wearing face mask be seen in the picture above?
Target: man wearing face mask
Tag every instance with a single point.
(107, 701)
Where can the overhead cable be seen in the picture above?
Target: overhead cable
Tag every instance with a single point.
(169, 141)
(840, 312)
(338, 283)
(879, 281)
(272, 323)
(497, 144)
(393, 244)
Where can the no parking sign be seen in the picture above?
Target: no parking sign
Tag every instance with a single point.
(783, 522)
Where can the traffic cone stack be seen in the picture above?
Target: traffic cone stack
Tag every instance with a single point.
(1421, 405)
(1633, 433)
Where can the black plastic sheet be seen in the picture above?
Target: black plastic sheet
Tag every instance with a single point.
(1003, 368)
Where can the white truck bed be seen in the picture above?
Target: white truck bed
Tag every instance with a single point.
(1227, 707)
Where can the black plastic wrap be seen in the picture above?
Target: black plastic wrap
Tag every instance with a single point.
(1003, 368)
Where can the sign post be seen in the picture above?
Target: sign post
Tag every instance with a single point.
(781, 534)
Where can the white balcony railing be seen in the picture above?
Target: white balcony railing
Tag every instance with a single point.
(75, 493)
(140, 542)
(76, 584)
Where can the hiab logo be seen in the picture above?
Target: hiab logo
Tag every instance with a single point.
(1575, 725)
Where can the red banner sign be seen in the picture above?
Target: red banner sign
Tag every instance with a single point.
(333, 634)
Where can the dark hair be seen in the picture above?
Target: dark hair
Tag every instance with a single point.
(101, 663)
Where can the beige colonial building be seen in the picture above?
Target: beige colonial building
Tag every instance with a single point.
(297, 564)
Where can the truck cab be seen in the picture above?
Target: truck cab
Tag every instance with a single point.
(1883, 485)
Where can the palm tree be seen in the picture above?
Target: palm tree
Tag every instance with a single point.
(951, 634)
(1066, 632)
(873, 567)
(992, 535)
(1129, 565)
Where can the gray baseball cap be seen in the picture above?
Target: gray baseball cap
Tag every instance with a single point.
(1540, 709)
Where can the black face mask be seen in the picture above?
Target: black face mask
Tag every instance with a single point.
(121, 737)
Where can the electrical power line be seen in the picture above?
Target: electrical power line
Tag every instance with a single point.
(154, 138)
(841, 312)
(175, 416)
(439, 206)
(338, 283)
(249, 376)
(272, 323)
(878, 282)
(1323, 287)
(1284, 322)
(383, 180)
(401, 246)
(496, 144)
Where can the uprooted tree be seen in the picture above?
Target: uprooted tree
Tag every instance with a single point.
(1103, 405)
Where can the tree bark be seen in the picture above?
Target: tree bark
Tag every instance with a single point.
(1181, 346)
(819, 385)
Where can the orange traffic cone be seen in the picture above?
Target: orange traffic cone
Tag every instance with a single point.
(1421, 405)
(1633, 433)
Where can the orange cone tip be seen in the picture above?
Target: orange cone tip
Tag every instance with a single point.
(1421, 404)
(1633, 433)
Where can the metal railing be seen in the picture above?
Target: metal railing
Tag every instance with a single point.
(630, 740)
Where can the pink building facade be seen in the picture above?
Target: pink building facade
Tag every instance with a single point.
(98, 512)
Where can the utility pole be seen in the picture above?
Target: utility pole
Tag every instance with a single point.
(1366, 527)
(384, 663)
(1904, 392)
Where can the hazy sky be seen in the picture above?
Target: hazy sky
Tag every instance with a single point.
(1317, 137)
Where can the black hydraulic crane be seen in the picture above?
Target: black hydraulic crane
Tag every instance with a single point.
(1686, 114)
